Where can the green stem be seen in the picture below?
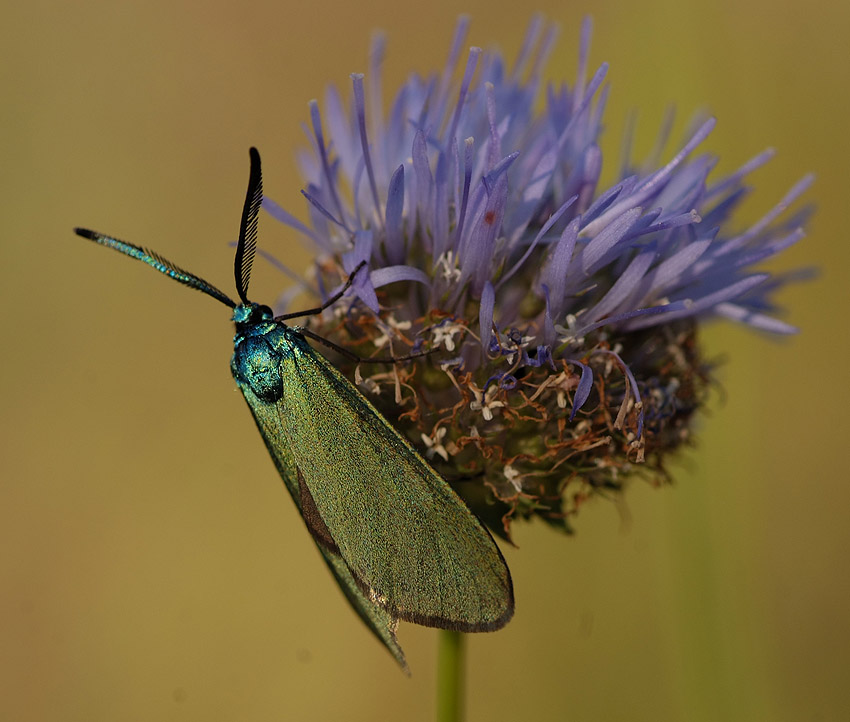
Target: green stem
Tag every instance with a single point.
(450, 676)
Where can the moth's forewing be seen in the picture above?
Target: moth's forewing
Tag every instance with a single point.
(378, 619)
(410, 542)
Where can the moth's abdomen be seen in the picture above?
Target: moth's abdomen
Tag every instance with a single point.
(257, 365)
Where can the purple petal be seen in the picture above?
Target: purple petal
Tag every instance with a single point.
(394, 217)
(667, 273)
(543, 52)
(799, 187)
(500, 168)
(771, 249)
(705, 303)
(583, 55)
(549, 333)
(731, 291)
(677, 221)
(471, 63)
(494, 145)
(628, 315)
(362, 286)
(736, 177)
(541, 176)
(756, 320)
(324, 211)
(360, 108)
(623, 287)
(376, 104)
(592, 87)
(610, 235)
(467, 177)
(424, 181)
(585, 385)
(553, 219)
(608, 197)
(285, 270)
(485, 314)
(392, 274)
(529, 42)
(340, 129)
(590, 175)
(278, 213)
(653, 158)
(455, 49)
(440, 231)
(482, 196)
(316, 119)
(555, 269)
(476, 255)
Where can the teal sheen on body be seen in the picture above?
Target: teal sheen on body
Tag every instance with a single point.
(399, 541)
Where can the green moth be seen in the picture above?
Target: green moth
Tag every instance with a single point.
(399, 541)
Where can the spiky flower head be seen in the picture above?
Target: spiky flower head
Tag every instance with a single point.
(562, 316)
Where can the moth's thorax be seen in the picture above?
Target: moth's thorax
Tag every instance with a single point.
(259, 346)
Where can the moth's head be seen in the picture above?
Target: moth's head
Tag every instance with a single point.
(250, 314)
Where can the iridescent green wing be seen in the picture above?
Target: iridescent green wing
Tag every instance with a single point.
(411, 543)
(378, 619)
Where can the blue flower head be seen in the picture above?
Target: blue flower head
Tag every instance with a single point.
(562, 314)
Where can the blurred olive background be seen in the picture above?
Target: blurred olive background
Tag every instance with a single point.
(153, 566)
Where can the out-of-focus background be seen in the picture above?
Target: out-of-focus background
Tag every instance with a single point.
(151, 564)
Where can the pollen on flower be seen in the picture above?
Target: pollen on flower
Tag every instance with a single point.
(555, 319)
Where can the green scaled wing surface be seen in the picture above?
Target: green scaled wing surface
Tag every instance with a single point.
(412, 545)
(376, 617)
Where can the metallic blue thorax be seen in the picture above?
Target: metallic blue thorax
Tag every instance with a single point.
(259, 346)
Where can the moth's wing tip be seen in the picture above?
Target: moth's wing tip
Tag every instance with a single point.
(402, 662)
